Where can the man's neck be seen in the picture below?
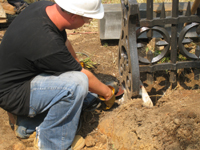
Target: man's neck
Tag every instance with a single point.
(57, 16)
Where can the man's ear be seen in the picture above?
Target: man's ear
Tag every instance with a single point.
(73, 17)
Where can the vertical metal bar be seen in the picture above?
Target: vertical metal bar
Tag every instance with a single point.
(175, 8)
(150, 75)
(163, 15)
(149, 16)
(150, 78)
(197, 70)
(198, 11)
(188, 11)
(149, 9)
(133, 74)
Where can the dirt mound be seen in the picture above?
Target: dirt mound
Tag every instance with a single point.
(174, 124)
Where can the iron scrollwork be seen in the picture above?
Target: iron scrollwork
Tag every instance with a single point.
(129, 62)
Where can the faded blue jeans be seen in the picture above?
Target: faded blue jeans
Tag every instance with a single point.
(60, 99)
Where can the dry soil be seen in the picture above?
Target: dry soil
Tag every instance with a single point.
(172, 124)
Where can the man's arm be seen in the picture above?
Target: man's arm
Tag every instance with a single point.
(71, 49)
(95, 85)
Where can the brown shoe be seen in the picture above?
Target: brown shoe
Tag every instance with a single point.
(78, 143)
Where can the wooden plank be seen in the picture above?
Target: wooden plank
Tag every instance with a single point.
(3, 20)
(2, 12)
(9, 9)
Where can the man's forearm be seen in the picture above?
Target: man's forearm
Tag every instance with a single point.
(96, 86)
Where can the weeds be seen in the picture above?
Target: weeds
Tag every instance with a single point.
(105, 45)
(88, 63)
(86, 60)
(181, 58)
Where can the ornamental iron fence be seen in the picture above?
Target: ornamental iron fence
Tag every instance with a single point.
(136, 56)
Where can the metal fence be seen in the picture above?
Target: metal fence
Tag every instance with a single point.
(131, 63)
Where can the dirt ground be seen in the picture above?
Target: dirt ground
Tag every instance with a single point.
(172, 124)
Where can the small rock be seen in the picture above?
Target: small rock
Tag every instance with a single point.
(192, 115)
(89, 141)
(173, 146)
(19, 146)
(177, 121)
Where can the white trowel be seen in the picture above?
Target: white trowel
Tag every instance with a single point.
(145, 96)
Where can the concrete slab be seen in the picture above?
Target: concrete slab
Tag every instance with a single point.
(110, 26)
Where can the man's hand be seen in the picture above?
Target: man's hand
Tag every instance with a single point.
(96, 86)
(109, 102)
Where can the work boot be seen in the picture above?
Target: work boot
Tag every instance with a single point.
(23, 126)
(78, 143)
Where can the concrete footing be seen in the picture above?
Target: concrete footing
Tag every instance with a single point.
(110, 25)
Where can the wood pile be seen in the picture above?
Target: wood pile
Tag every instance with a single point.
(5, 8)
(9, 9)
(2, 15)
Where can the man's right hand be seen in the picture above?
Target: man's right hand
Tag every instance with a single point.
(109, 102)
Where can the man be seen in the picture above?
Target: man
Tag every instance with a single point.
(40, 73)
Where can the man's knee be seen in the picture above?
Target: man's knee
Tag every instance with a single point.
(82, 83)
(75, 81)
(83, 80)
(78, 78)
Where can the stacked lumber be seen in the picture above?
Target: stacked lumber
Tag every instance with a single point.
(9, 9)
(1, 35)
(5, 8)
(2, 15)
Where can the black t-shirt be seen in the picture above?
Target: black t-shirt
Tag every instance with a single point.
(32, 45)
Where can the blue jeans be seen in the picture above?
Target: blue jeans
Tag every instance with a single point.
(59, 99)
